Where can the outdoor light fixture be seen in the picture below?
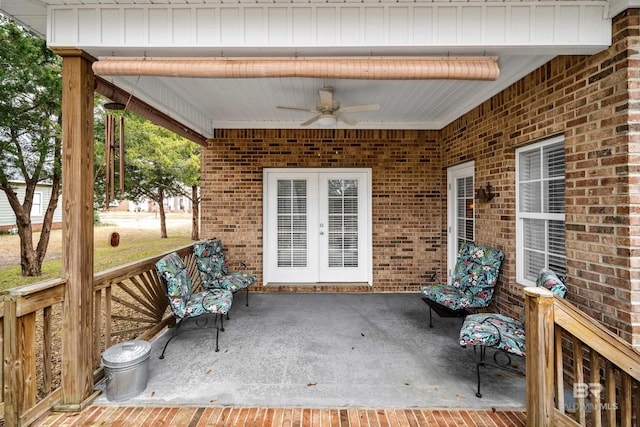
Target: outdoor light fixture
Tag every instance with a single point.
(485, 194)
(327, 120)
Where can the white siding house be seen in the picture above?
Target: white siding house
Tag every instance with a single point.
(40, 201)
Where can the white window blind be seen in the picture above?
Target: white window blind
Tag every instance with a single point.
(292, 223)
(464, 211)
(343, 222)
(541, 209)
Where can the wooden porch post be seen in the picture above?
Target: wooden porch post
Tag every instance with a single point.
(539, 361)
(77, 228)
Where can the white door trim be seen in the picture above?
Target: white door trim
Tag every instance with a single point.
(367, 223)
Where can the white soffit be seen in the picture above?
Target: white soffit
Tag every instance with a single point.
(212, 29)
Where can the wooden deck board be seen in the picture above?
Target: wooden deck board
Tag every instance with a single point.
(303, 417)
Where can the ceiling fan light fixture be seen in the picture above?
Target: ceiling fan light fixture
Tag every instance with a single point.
(327, 120)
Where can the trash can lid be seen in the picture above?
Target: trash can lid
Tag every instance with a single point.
(126, 353)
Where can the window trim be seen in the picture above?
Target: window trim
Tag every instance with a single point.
(34, 205)
(520, 279)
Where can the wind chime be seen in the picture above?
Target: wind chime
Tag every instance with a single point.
(110, 155)
(110, 149)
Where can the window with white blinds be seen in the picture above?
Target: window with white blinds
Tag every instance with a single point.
(343, 222)
(292, 223)
(464, 211)
(540, 212)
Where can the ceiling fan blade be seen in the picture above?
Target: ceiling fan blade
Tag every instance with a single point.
(344, 119)
(358, 108)
(296, 109)
(311, 120)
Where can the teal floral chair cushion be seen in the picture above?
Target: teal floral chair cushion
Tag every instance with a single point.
(214, 270)
(492, 330)
(474, 279)
(502, 332)
(184, 303)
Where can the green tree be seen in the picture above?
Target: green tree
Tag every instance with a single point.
(30, 141)
(159, 164)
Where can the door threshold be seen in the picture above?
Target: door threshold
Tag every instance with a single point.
(318, 287)
(316, 284)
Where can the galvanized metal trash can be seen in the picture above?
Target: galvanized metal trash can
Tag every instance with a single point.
(126, 369)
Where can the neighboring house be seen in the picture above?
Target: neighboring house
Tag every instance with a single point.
(41, 198)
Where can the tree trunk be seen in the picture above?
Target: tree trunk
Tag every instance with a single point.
(195, 213)
(30, 264)
(56, 181)
(163, 219)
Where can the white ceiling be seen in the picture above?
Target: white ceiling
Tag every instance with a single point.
(251, 103)
(404, 104)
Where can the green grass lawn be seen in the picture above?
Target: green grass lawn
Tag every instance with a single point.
(134, 244)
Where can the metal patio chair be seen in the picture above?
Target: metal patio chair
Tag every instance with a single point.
(502, 333)
(184, 303)
(474, 279)
(214, 269)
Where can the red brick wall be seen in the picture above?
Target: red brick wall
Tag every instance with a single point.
(589, 100)
(407, 193)
(586, 100)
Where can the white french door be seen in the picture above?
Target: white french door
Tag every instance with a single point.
(317, 225)
(460, 212)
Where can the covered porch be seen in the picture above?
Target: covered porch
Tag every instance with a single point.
(362, 350)
(571, 82)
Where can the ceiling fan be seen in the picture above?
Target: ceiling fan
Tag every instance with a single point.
(329, 110)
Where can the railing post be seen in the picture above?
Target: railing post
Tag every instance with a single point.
(13, 384)
(540, 356)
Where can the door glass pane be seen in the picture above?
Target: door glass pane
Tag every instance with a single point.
(343, 222)
(464, 211)
(292, 223)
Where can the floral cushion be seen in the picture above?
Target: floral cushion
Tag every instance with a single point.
(551, 281)
(210, 260)
(451, 297)
(502, 332)
(174, 272)
(183, 302)
(494, 330)
(213, 268)
(474, 279)
(215, 301)
(234, 281)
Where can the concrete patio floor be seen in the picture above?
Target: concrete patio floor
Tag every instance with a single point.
(317, 350)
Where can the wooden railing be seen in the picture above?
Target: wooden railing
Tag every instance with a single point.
(129, 303)
(565, 346)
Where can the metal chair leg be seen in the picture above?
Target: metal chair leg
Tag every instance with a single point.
(430, 317)
(175, 333)
(217, 335)
(247, 304)
(478, 364)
